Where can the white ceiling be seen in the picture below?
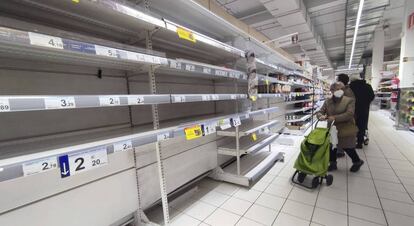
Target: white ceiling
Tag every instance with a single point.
(276, 18)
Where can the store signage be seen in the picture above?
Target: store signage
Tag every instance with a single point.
(193, 132)
(185, 34)
(410, 23)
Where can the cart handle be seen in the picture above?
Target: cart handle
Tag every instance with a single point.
(329, 126)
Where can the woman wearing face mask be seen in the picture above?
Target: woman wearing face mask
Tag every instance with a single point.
(340, 110)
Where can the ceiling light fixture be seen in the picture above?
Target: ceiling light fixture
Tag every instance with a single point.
(361, 5)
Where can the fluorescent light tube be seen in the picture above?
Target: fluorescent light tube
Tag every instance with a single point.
(361, 5)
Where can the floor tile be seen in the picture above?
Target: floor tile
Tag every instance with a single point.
(359, 222)
(304, 196)
(334, 193)
(366, 213)
(260, 186)
(278, 190)
(261, 214)
(226, 188)
(270, 201)
(200, 210)
(395, 195)
(222, 217)
(398, 207)
(298, 209)
(247, 222)
(214, 198)
(398, 220)
(390, 186)
(287, 220)
(371, 200)
(184, 220)
(247, 194)
(326, 217)
(332, 204)
(237, 206)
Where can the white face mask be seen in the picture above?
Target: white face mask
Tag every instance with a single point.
(338, 93)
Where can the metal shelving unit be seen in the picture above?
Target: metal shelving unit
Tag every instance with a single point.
(104, 36)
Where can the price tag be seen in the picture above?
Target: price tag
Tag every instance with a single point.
(225, 124)
(88, 160)
(106, 51)
(205, 97)
(149, 59)
(264, 130)
(4, 105)
(45, 40)
(179, 99)
(136, 100)
(186, 34)
(267, 82)
(39, 166)
(189, 67)
(109, 101)
(236, 121)
(221, 73)
(193, 132)
(163, 136)
(247, 116)
(215, 97)
(60, 102)
(233, 97)
(232, 74)
(237, 75)
(254, 136)
(209, 128)
(156, 60)
(123, 146)
(206, 70)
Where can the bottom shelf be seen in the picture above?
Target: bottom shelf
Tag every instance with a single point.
(252, 167)
(247, 145)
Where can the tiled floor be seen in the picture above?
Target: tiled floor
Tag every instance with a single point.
(381, 193)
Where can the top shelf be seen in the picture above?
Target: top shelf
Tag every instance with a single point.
(248, 128)
(123, 22)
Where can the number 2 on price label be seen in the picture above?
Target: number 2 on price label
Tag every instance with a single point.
(88, 160)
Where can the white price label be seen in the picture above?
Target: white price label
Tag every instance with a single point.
(264, 130)
(60, 102)
(232, 74)
(106, 51)
(236, 121)
(209, 128)
(163, 136)
(4, 105)
(206, 70)
(215, 97)
(45, 40)
(233, 96)
(221, 73)
(157, 60)
(205, 97)
(81, 162)
(39, 166)
(123, 146)
(149, 59)
(189, 67)
(134, 100)
(109, 101)
(179, 99)
(247, 116)
(225, 124)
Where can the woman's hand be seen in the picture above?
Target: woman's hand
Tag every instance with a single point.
(331, 118)
(322, 117)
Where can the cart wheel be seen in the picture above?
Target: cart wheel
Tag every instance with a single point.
(329, 179)
(301, 177)
(315, 182)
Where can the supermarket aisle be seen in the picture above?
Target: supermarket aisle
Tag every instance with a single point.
(381, 193)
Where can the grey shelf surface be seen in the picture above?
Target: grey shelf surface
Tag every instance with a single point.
(248, 128)
(304, 118)
(247, 145)
(298, 101)
(298, 110)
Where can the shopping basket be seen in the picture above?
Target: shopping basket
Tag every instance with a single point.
(313, 158)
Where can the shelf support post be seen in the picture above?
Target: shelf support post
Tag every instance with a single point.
(238, 150)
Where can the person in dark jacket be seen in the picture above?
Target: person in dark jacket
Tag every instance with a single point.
(364, 95)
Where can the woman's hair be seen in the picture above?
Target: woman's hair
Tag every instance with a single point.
(337, 85)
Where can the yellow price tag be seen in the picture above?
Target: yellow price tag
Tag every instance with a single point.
(75, 1)
(185, 34)
(254, 137)
(267, 82)
(253, 98)
(193, 132)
